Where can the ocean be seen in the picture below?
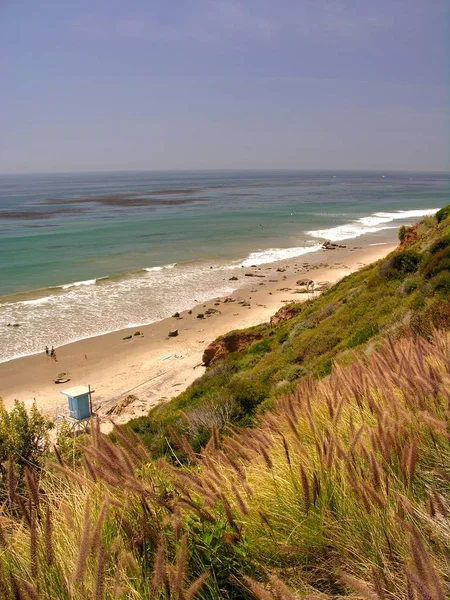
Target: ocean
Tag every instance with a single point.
(89, 253)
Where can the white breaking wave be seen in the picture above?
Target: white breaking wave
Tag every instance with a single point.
(150, 269)
(376, 222)
(88, 310)
(276, 254)
(37, 301)
(66, 286)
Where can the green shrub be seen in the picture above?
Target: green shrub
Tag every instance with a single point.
(247, 393)
(409, 286)
(23, 439)
(324, 368)
(291, 372)
(400, 264)
(69, 445)
(443, 214)
(261, 347)
(418, 300)
(247, 360)
(220, 368)
(327, 311)
(265, 405)
(440, 244)
(283, 336)
(402, 233)
(441, 283)
(212, 553)
(364, 334)
(436, 261)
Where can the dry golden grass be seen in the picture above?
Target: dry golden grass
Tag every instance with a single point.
(343, 490)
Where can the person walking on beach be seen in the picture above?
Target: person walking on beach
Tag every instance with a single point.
(46, 350)
(53, 353)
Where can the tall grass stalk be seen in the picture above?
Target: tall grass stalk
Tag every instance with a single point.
(342, 490)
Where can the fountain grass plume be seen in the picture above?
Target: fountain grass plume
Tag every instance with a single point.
(343, 489)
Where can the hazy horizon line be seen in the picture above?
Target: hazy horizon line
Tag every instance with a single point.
(226, 169)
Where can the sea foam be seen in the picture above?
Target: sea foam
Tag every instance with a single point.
(66, 286)
(375, 222)
(151, 269)
(79, 312)
(275, 254)
(36, 302)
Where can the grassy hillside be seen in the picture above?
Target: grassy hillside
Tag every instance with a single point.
(408, 291)
(343, 491)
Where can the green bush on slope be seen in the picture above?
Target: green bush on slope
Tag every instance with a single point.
(401, 233)
(400, 264)
(443, 214)
(24, 443)
(438, 258)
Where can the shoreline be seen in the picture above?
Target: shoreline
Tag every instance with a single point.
(90, 304)
(155, 367)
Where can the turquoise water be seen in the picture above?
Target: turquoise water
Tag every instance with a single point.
(83, 254)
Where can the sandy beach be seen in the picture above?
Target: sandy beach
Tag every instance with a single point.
(154, 367)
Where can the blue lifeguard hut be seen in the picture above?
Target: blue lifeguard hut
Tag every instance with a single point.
(80, 408)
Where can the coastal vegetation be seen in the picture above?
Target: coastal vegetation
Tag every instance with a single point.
(407, 292)
(342, 490)
(313, 464)
(24, 443)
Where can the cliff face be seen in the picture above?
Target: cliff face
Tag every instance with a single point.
(231, 342)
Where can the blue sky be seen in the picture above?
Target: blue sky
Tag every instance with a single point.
(193, 84)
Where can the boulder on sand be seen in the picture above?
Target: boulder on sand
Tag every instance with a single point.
(331, 246)
(62, 378)
(173, 333)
